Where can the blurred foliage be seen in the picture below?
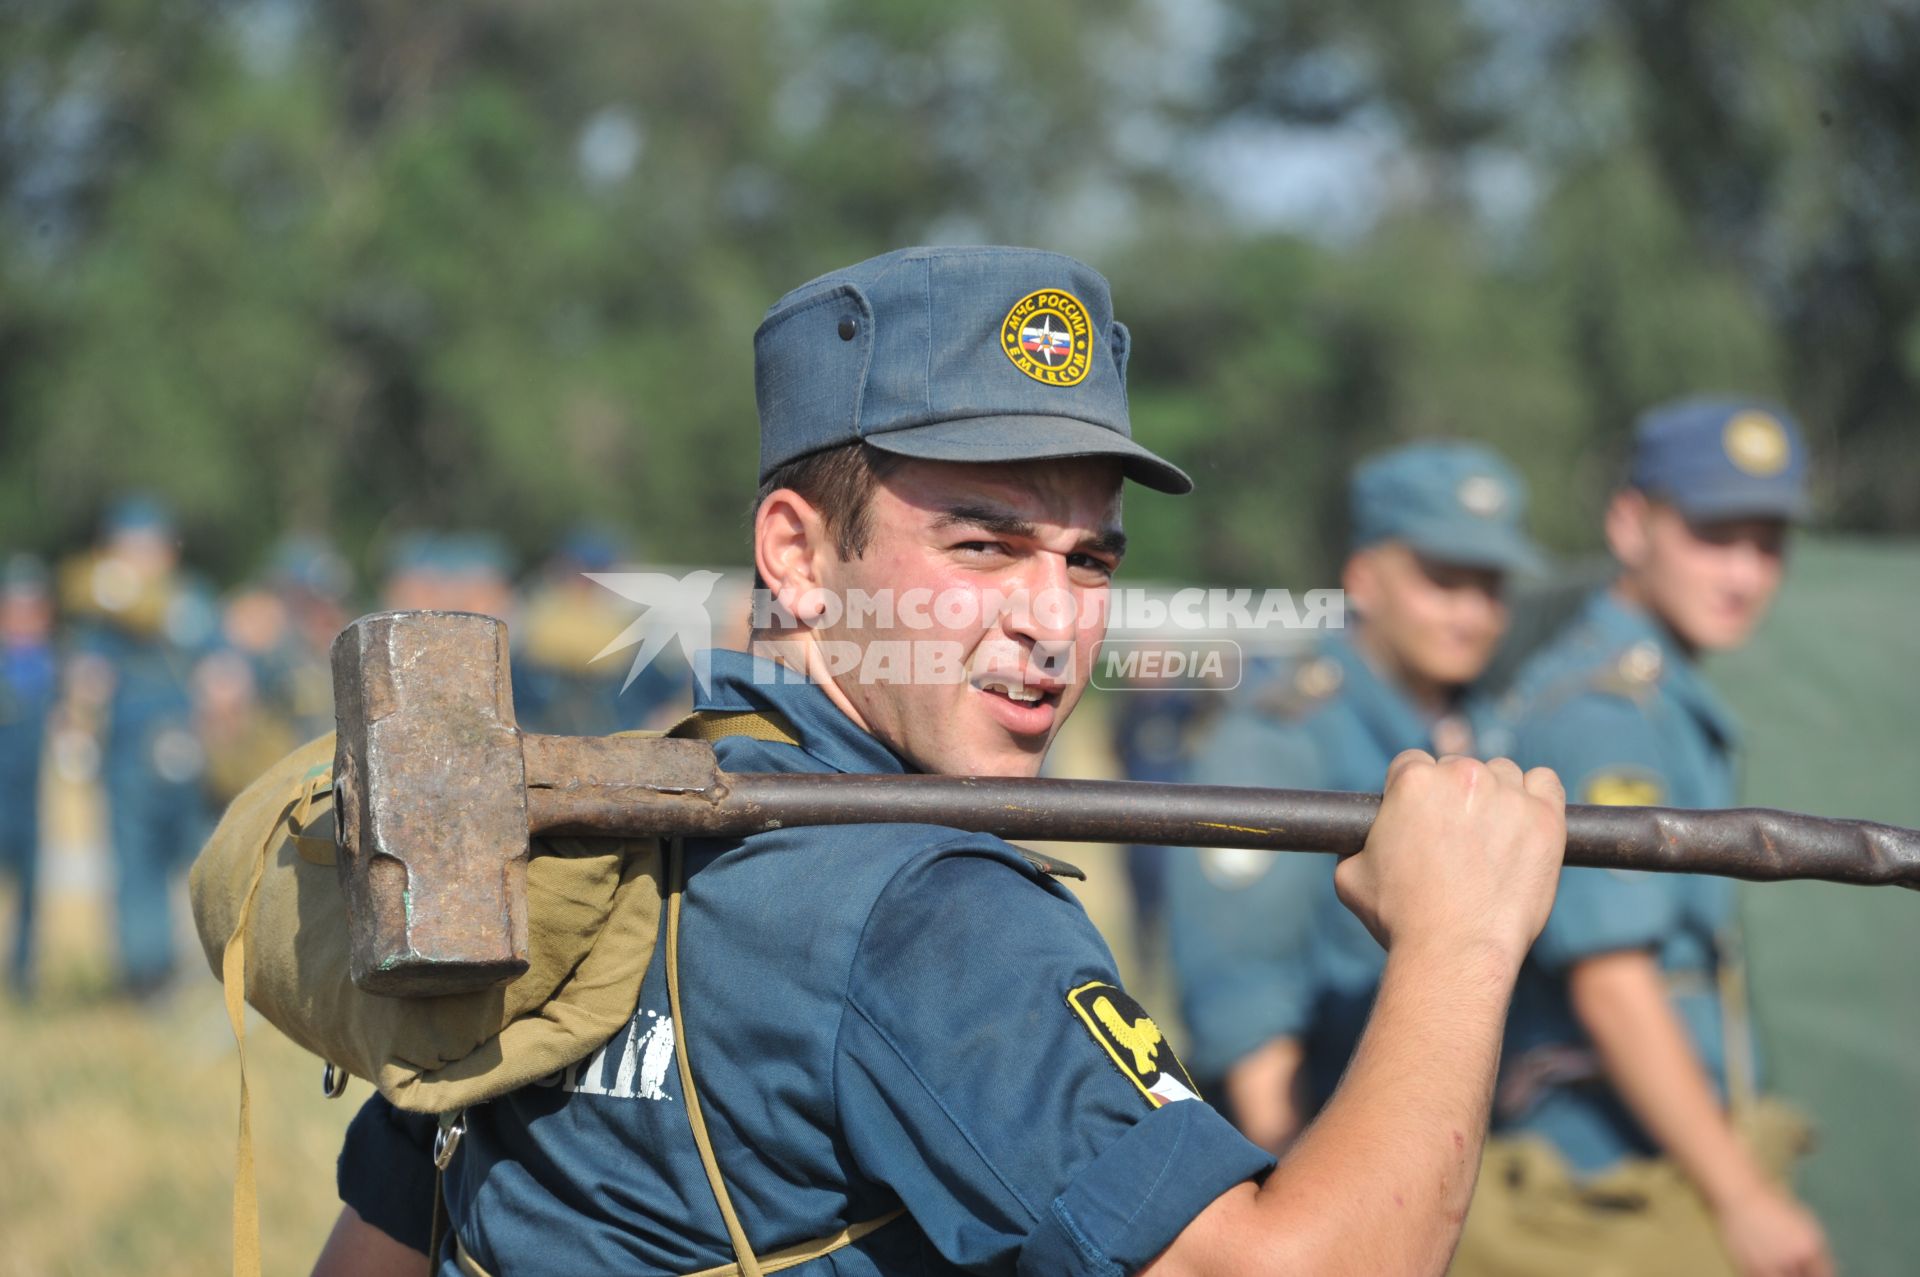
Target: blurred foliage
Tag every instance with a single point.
(370, 265)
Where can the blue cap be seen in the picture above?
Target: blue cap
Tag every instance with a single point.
(1457, 503)
(24, 575)
(951, 354)
(138, 512)
(1722, 459)
(410, 553)
(589, 547)
(472, 554)
(306, 562)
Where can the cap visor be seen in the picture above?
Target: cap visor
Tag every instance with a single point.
(1491, 546)
(1741, 501)
(1031, 438)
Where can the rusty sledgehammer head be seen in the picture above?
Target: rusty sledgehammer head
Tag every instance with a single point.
(430, 803)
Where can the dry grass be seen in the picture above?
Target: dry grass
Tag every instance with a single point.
(117, 1123)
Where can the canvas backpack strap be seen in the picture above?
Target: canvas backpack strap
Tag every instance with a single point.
(713, 725)
(233, 976)
(749, 1265)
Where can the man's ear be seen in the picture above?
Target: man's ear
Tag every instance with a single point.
(790, 542)
(1360, 579)
(1628, 514)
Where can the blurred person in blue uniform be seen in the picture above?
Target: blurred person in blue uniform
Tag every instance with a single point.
(28, 689)
(1275, 976)
(910, 1043)
(1153, 731)
(452, 571)
(141, 624)
(1634, 1137)
(269, 686)
(312, 584)
(564, 679)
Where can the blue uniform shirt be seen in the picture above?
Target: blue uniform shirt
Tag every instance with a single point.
(1621, 712)
(877, 1016)
(1262, 947)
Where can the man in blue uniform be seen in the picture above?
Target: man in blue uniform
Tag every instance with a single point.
(910, 1044)
(27, 692)
(142, 625)
(1628, 1054)
(1275, 975)
(564, 681)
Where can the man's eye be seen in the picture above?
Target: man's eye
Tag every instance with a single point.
(980, 547)
(1089, 563)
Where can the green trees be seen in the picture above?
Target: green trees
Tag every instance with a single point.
(368, 265)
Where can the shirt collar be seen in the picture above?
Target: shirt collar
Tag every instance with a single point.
(737, 681)
(1389, 716)
(1621, 624)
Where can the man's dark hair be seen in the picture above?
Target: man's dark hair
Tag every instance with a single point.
(839, 482)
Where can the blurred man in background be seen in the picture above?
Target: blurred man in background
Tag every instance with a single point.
(1275, 976)
(561, 681)
(141, 624)
(27, 693)
(1153, 733)
(1629, 1058)
(313, 585)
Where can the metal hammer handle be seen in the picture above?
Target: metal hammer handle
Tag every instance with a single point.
(1752, 843)
(437, 793)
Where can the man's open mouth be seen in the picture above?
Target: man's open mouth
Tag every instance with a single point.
(1017, 690)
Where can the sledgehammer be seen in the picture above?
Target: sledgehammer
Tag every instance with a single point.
(437, 794)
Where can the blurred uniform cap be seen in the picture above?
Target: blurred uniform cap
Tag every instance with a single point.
(309, 563)
(1722, 459)
(24, 575)
(951, 354)
(1456, 503)
(471, 554)
(589, 547)
(138, 512)
(411, 552)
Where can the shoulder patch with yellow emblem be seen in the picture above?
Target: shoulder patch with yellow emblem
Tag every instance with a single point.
(1133, 1041)
(1623, 787)
(1049, 336)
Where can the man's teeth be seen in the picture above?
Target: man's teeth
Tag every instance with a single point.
(1013, 691)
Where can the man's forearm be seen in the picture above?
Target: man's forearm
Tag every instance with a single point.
(1622, 1002)
(356, 1248)
(1381, 1181)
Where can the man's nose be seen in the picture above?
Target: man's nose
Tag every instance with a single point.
(1749, 564)
(1044, 607)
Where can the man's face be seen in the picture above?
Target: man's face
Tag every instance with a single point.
(151, 552)
(26, 616)
(1710, 582)
(1438, 622)
(999, 576)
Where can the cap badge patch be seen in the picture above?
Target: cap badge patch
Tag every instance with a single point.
(1133, 1041)
(1482, 494)
(1049, 336)
(1756, 444)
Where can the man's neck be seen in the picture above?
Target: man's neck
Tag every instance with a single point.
(795, 650)
(1629, 591)
(1429, 696)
